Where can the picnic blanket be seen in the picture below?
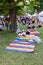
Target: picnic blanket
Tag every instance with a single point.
(18, 46)
(24, 44)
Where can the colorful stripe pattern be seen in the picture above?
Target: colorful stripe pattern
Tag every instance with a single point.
(20, 46)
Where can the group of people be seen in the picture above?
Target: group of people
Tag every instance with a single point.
(4, 24)
(30, 21)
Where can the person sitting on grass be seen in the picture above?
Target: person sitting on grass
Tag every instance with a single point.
(28, 32)
(39, 25)
(33, 28)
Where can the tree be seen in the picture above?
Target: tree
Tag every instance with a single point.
(32, 5)
(12, 7)
(40, 4)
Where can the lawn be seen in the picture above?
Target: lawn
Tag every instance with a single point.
(17, 58)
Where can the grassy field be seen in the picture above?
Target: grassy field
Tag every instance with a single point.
(17, 58)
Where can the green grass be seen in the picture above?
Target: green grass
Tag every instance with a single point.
(22, 27)
(17, 58)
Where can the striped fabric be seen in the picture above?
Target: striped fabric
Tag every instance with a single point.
(21, 46)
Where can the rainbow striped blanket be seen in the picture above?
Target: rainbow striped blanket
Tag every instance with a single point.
(20, 46)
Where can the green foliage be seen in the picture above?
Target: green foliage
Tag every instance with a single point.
(31, 5)
(6, 5)
(34, 4)
(40, 6)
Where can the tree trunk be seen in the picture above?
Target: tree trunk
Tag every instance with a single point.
(13, 20)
